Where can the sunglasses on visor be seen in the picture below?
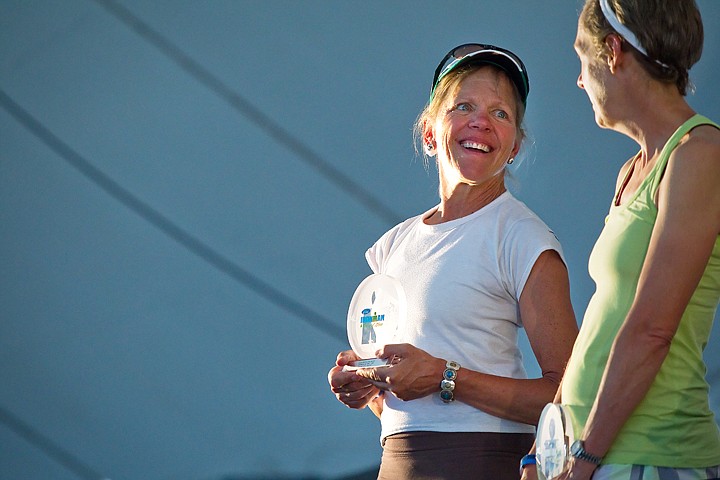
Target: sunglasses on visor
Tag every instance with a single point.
(484, 53)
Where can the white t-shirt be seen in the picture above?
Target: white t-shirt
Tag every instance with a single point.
(463, 280)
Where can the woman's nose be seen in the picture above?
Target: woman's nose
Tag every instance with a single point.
(580, 82)
(480, 120)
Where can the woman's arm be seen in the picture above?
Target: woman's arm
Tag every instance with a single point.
(551, 327)
(550, 323)
(685, 232)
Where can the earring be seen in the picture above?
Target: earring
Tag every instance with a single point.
(429, 148)
(510, 161)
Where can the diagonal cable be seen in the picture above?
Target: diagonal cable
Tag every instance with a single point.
(157, 219)
(252, 113)
(57, 453)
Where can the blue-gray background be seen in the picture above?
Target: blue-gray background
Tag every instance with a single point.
(186, 194)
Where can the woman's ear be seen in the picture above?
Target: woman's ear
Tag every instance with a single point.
(429, 145)
(615, 53)
(513, 154)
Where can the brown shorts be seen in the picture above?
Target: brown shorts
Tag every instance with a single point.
(453, 456)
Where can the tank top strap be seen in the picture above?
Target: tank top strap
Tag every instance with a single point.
(671, 144)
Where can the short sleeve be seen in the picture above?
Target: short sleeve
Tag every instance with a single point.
(522, 246)
(379, 253)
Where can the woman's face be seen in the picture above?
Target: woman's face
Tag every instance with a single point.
(475, 132)
(592, 74)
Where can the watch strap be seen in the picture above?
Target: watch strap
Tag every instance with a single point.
(577, 450)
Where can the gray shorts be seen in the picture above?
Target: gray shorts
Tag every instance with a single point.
(644, 472)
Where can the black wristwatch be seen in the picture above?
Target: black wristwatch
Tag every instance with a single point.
(577, 450)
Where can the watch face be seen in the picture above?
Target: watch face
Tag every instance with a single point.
(576, 447)
(577, 450)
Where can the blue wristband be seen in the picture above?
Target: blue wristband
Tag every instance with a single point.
(528, 459)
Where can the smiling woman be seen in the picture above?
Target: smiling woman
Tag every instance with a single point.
(475, 269)
(474, 139)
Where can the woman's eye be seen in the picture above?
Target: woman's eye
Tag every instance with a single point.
(462, 107)
(502, 114)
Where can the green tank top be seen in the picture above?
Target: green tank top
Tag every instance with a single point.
(673, 426)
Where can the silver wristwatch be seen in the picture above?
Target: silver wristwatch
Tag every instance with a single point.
(577, 450)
